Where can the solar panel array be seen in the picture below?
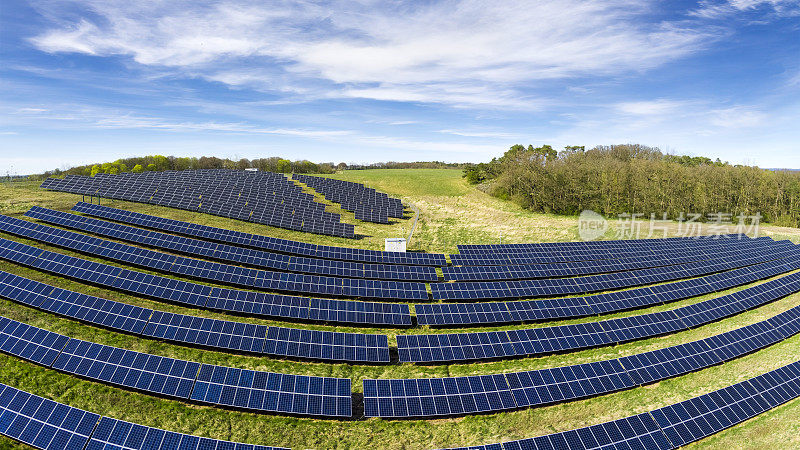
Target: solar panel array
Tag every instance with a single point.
(218, 385)
(675, 425)
(368, 204)
(468, 290)
(427, 397)
(258, 241)
(45, 424)
(560, 252)
(213, 271)
(262, 197)
(213, 333)
(537, 341)
(234, 254)
(577, 268)
(445, 314)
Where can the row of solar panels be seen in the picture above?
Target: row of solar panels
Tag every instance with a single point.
(270, 260)
(646, 248)
(279, 281)
(186, 380)
(234, 254)
(368, 204)
(258, 241)
(678, 424)
(213, 271)
(537, 341)
(186, 329)
(577, 268)
(304, 395)
(429, 397)
(49, 425)
(484, 290)
(465, 249)
(261, 197)
(448, 314)
(299, 308)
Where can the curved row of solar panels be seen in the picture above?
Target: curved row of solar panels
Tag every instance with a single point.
(480, 290)
(448, 314)
(234, 254)
(49, 425)
(428, 397)
(262, 197)
(537, 341)
(368, 204)
(653, 258)
(258, 241)
(569, 253)
(186, 329)
(675, 425)
(212, 271)
(187, 380)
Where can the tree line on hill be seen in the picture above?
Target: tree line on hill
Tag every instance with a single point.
(626, 179)
(159, 163)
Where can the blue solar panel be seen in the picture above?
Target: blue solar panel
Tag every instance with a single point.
(219, 385)
(212, 271)
(570, 269)
(467, 395)
(559, 308)
(234, 254)
(535, 341)
(117, 434)
(43, 423)
(220, 334)
(261, 197)
(258, 241)
(593, 283)
(245, 302)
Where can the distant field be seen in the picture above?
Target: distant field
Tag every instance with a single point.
(451, 213)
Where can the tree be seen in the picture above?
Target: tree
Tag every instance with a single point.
(151, 167)
(138, 169)
(284, 166)
(114, 171)
(95, 170)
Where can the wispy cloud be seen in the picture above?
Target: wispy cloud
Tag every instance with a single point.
(469, 53)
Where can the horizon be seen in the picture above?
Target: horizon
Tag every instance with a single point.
(451, 81)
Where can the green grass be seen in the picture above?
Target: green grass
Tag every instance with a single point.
(451, 213)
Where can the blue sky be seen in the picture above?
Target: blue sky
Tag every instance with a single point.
(366, 81)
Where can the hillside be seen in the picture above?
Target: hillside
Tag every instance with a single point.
(451, 212)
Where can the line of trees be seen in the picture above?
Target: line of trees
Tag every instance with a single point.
(627, 179)
(272, 164)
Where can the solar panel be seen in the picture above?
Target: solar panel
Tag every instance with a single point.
(43, 423)
(231, 253)
(220, 334)
(211, 271)
(577, 268)
(678, 424)
(218, 385)
(117, 434)
(192, 294)
(258, 241)
(262, 197)
(467, 395)
(536, 341)
(439, 314)
(594, 283)
(367, 204)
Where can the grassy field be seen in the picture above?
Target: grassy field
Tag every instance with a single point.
(451, 212)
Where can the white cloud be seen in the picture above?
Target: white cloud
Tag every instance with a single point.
(650, 108)
(468, 53)
(737, 117)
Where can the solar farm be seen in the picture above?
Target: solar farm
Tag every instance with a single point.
(225, 309)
